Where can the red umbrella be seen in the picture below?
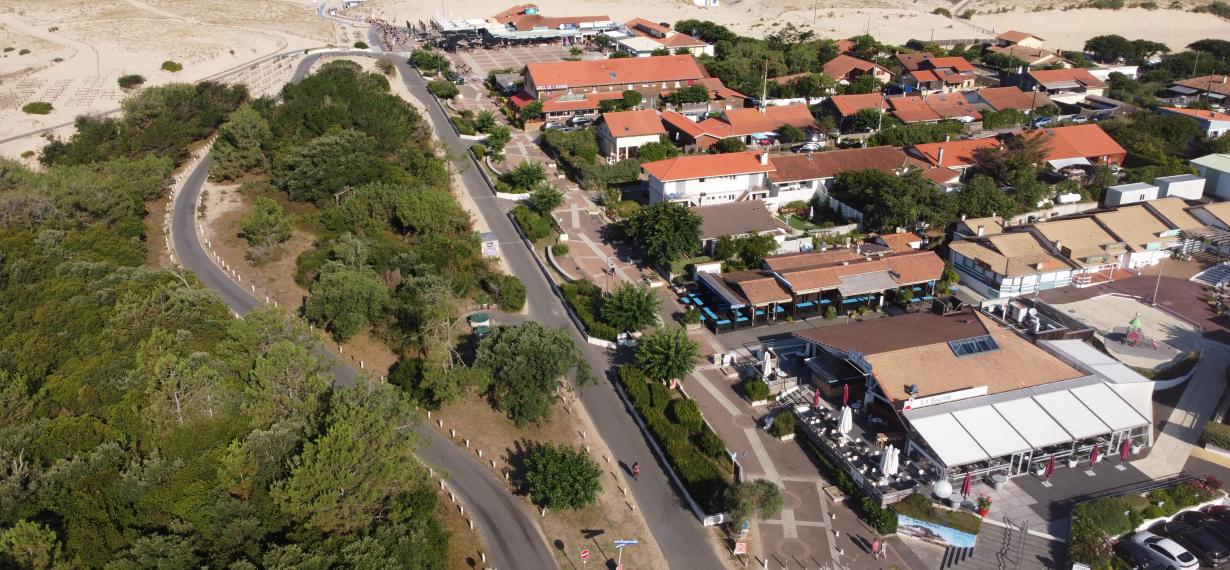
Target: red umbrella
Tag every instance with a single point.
(845, 394)
(1125, 450)
(815, 401)
(1050, 468)
(1093, 456)
(969, 482)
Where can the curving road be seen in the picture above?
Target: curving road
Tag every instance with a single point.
(512, 538)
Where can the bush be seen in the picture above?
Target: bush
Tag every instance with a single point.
(560, 248)
(687, 414)
(1216, 433)
(478, 150)
(711, 444)
(783, 424)
(967, 14)
(130, 81)
(882, 519)
(23, 51)
(585, 298)
(463, 126)
(942, 12)
(1099, 520)
(920, 507)
(360, 45)
(385, 66)
(535, 226)
(507, 290)
(756, 390)
(562, 477)
(172, 66)
(428, 62)
(691, 316)
(37, 108)
(707, 476)
(443, 89)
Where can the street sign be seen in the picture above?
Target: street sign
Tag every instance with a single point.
(623, 543)
(740, 548)
(585, 554)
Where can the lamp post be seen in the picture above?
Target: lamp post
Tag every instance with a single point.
(1161, 266)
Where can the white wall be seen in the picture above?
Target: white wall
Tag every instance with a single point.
(1118, 197)
(1140, 259)
(716, 190)
(1187, 189)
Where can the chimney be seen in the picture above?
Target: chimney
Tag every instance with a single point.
(940, 162)
(764, 159)
(981, 231)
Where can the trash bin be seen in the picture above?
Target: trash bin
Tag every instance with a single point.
(997, 481)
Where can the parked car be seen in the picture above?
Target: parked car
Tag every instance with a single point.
(808, 147)
(552, 125)
(1078, 119)
(1199, 542)
(580, 121)
(1041, 122)
(1102, 115)
(1166, 552)
(765, 141)
(850, 143)
(1215, 526)
(1140, 556)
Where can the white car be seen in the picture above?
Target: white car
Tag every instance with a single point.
(1166, 552)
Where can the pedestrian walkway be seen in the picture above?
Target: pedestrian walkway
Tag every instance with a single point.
(1197, 405)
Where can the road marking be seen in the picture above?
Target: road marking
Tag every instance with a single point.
(721, 399)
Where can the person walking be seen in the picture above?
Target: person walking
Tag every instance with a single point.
(877, 549)
(636, 471)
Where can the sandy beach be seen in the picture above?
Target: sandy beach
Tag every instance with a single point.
(77, 51)
(893, 22)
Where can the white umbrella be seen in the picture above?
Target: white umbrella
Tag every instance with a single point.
(886, 460)
(845, 422)
(895, 463)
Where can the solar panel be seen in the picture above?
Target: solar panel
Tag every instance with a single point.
(971, 346)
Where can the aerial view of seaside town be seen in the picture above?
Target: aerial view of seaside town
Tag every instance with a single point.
(647, 284)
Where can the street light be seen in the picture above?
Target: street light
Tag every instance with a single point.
(1158, 284)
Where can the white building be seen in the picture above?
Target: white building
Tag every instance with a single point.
(1186, 186)
(1130, 194)
(1148, 239)
(1213, 123)
(621, 133)
(1008, 264)
(1215, 169)
(705, 179)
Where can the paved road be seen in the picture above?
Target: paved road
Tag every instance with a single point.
(512, 538)
(684, 541)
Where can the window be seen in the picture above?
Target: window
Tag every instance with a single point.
(972, 346)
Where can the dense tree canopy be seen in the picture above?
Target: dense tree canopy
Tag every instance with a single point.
(561, 477)
(528, 363)
(667, 353)
(630, 307)
(665, 231)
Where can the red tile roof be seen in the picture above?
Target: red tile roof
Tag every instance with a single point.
(956, 153)
(1016, 37)
(1000, 98)
(641, 25)
(845, 45)
(748, 121)
(784, 79)
(848, 105)
(1029, 55)
(1083, 141)
(620, 71)
(1077, 74)
(1215, 83)
(694, 166)
(633, 123)
(718, 90)
(521, 99)
(901, 242)
(820, 165)
(1198, 114)
(923, 60)
(841, 66)
(576, 102)
(908, 269)
(517, 17)
(941, 175)
(935, 107)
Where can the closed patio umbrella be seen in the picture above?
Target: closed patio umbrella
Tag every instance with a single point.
(886, 459)
(1093, 456)
(1125, 450)
(968, 484)
(894, 460)
(815, 400)
(845, 394)
(845, 422)
(1050, 468)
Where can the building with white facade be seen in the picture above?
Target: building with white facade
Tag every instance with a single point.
(705, 179)
(621, 133)
(1003, 265)
(1130, 194)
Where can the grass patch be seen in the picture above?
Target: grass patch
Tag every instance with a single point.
(798, 223)
(923, 509)
(681, 266)
(36, 108)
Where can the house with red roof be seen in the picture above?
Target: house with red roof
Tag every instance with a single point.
(927, 74)
(1079, 144)
(1015, 38)
(847, 68)
(846, 106)
(1213, 123)
(1004, 98)
(705, 179)
(933, 108)
(621, 133)
(953, 155)
(1069, 86)
(746, 124)
(645, 37)
(799, 177)
(650, 75)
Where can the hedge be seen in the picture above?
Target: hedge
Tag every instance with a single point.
(706, 476)
(534, 225)
(1098, 521)
(783, 424)
(1216, 433)
(756, 390)
(923, 509)
(585, 298)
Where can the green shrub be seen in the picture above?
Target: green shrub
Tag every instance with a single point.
(130, 81)
(478, 149)
(705, 475)
(443, 89)
(23, 51)
(360, 45)
(507, 290)
(1216, 433)
(687, 414)
(37, 108)
(783, 424)
(535, 226)
(172, 66)
(830, 313)
(463, 127)
(659, 396)
(882, 519)
(691, 316)
(920, 507)
(942, 12)
(711, 444)
(585, 298)
(756, 390)
(560, 248)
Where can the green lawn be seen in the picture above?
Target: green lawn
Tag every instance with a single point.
(798, 223)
